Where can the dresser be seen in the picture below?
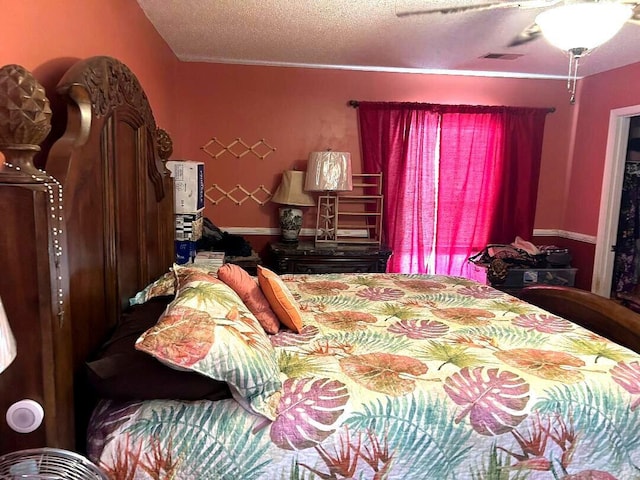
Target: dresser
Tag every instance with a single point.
(306, 257)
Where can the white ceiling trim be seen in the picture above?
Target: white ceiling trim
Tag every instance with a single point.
(422, 71)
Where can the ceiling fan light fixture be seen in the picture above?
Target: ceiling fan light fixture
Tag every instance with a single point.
(583, 25)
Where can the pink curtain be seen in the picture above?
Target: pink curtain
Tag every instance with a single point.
(522, 150)
(455, 178)
(390, 132)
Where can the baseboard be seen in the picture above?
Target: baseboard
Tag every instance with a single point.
(305, 232)
(579, 237)
(310, 232)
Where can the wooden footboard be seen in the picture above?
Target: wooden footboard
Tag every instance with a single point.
(600, 315)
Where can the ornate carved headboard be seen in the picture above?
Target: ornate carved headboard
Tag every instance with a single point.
(117, 202)
(117, 210)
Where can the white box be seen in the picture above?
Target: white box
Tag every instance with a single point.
(188, 185)
(188, 226)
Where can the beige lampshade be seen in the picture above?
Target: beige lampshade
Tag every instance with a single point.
(329, 171)
(7, 341)
(290, 190)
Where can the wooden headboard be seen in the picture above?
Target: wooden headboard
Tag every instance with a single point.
(117, 222)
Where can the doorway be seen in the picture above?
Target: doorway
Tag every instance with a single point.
(626, 265)
(610, 199)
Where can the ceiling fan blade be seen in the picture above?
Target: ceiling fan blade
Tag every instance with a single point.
(635, 18)
(530, 33)
(462, 8)
(477, 7)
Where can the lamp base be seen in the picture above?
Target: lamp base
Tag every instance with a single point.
(290, 224)
(326, 220)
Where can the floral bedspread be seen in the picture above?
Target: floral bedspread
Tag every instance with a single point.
(403, 377)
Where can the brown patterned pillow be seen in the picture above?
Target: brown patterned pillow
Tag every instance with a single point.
(208, 329)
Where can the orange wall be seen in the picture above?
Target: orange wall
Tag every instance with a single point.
(296, 110)
(599, 94)
(299, 110)
(48, 36)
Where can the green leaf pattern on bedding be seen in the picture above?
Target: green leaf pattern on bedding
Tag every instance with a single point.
(196, 433)
(407, 377)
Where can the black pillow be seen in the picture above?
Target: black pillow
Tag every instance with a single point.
(121, 372)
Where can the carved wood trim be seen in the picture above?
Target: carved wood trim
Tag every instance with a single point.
(98, 86)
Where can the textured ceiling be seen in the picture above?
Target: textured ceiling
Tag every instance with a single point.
(367, 34)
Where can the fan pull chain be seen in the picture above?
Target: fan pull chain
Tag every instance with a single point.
(572, 78)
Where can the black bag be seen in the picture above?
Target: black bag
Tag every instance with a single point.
(497, 258)
(215, 239)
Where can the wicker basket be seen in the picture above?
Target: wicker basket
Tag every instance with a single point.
(48, 464)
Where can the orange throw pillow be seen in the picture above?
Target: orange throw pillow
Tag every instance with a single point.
(280, 299)
(249, 291)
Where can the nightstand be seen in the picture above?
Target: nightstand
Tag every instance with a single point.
(306, 257)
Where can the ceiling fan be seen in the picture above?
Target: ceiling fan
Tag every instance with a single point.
(574, 26)
(530, 32)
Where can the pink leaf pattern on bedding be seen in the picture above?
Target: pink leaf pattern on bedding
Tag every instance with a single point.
(419, 329)
(186, 338)
(418, 303)
(451, 380)
(419, 286)
(475, 317)
(495, 401)
(590, 475)
(165, 285)
(543, 323)
(547, 364)
(480, 291)
(380, 294)
(252, 334)
(329, 348)
(322, 288)
(287, 338)
(346, 320)
(628, 377)
(187, 275)
(307, 412)
(384, 372)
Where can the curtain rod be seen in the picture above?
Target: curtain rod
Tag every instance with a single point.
(356, 104)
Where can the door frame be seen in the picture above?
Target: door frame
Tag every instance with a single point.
(617, 140)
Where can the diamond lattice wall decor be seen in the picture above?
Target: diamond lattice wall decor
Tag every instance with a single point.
(238, 148)
(238, 191)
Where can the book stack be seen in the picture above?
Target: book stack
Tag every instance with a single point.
(210, 260)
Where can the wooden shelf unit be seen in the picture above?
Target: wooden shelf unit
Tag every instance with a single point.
(355, 217)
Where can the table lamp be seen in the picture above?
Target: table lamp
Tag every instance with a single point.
(291, 195)
(328, 172)
(7, 341)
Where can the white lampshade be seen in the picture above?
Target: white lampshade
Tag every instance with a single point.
(583, 25)
(329, 171)
(7, 341)
(290, 191)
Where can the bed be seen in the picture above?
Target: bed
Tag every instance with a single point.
(390, 376)
(403, 376)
